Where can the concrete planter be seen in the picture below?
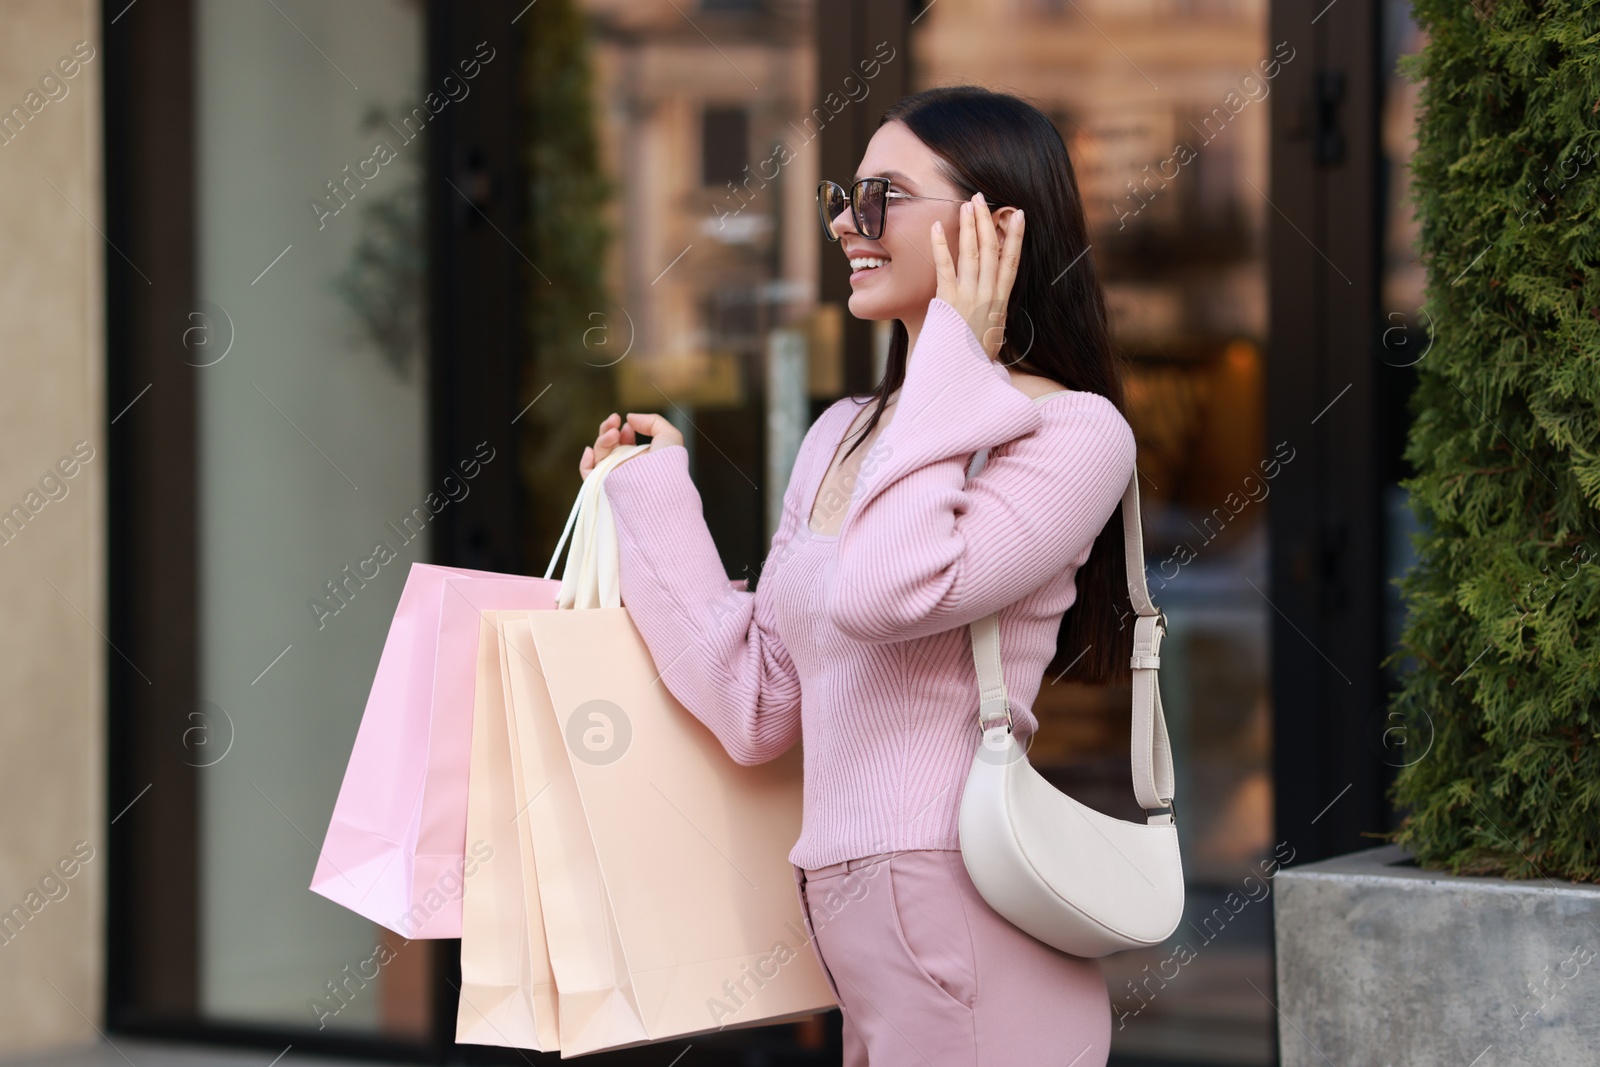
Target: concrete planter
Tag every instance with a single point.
(1382, 963)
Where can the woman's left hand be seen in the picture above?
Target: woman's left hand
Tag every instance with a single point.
(980, 285)
(614, 432)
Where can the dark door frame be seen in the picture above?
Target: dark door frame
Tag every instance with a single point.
(1327, 397)
(476, 350)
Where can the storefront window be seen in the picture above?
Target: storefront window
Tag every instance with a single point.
(704, 301)
(709, 314)
(1164, 106)
(1406, 324)
(312, 395)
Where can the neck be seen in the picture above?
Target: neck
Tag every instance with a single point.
(913, 325)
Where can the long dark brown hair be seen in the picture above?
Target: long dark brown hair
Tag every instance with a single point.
(1010, 151)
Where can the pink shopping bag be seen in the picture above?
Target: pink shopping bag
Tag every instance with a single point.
(395, 846)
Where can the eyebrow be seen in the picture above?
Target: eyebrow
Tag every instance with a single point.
(896, 175)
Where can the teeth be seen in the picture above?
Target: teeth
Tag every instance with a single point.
(857, 263)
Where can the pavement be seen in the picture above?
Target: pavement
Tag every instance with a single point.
(128, 1052)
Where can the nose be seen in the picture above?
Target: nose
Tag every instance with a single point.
(844, 222)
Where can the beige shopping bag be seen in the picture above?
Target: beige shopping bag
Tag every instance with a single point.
(672, 909)
(596, 1007)
(659, 867)
(508, 991)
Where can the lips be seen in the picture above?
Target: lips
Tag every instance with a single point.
(869, 265)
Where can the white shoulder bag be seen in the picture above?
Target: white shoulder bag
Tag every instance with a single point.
(1083, 882)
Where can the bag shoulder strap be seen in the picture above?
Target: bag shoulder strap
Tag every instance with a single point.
(1151, 750)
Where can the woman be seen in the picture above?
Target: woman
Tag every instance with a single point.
(856, 638)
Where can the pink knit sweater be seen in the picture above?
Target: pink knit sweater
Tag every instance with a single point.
(856, 644)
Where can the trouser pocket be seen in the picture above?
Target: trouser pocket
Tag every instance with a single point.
(931, 924)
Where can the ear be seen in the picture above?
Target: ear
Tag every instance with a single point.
(1002, 220)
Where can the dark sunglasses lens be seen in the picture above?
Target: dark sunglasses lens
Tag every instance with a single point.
(869, 209)
(830, 203)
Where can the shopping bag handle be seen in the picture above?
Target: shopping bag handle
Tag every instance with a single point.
(590, 579)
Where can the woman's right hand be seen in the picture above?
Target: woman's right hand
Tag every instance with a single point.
(614, 432)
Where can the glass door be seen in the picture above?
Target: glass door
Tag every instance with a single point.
(311, 138)
(1164, 107)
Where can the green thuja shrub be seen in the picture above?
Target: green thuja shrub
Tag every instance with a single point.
(1501, 640)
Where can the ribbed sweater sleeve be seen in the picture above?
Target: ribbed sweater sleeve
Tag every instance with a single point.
(715, 644)
(923, 548)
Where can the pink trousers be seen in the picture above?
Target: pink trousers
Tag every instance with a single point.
(928, 975)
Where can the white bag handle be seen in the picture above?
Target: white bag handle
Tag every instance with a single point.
(591, 578)
(1151, 750)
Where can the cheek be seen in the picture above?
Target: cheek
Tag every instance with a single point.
(913, 265)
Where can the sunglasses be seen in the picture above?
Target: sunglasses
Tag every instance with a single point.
(869, 205)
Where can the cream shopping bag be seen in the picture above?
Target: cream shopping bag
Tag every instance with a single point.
(662, 866)
(596, 1008)
(508, 992)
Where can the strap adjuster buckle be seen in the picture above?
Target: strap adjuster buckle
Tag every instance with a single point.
(1147, 634)
(991, 719)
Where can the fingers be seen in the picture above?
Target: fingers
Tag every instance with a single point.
(614, 431)
(943, 266)
(648, 423)
(1010, 254)
(988, 246)
(966, 267)
(662, 433)
(609, 437)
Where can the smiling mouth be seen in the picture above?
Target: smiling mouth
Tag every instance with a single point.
(861, 266)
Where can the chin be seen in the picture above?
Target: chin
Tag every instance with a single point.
(872, 307)
(865, 307)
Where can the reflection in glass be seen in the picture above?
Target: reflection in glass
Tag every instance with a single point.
(1407, 328)
(313, 482)
(1164, 106)
(689, 287)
